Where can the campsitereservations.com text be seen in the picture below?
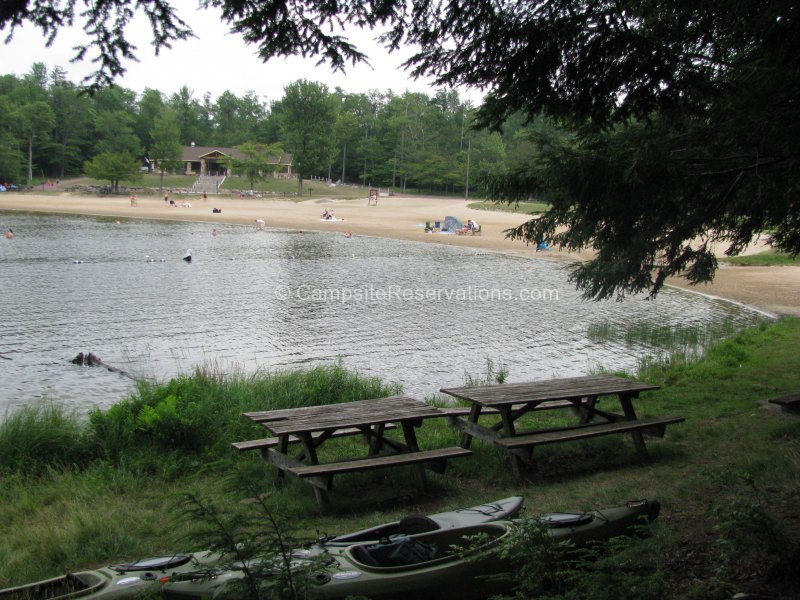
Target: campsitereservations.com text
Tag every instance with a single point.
(309, 293)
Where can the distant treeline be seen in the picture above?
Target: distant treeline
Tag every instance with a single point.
(51, 129)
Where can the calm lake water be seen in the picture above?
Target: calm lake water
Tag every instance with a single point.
(421, 314)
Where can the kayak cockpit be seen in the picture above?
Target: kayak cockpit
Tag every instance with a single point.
(424, 550)
(71, 585)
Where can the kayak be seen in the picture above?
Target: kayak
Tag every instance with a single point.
(146, 576)
(424, 565)
(499, 510)
(115, 582)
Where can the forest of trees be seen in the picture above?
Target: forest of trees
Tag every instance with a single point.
(53, 129)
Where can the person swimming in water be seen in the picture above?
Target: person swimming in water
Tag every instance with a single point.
(9, 233)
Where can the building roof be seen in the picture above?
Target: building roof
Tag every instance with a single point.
(197, 153)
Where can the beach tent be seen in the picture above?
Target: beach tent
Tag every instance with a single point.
(452, 224)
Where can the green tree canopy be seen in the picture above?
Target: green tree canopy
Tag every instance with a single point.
(113, 167)
(260, 160)
(166, 149)
(309, 119)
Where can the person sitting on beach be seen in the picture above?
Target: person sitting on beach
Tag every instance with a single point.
(473, 226)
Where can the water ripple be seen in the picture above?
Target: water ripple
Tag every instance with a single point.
(228, 307)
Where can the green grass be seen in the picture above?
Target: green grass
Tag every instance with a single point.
(726, 478)
(280, 186)
(528, 208)
(768, 258)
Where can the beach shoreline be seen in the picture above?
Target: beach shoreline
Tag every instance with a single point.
(773, 290)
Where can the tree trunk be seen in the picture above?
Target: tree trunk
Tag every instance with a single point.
(30, 160)
(300, 185)
(344, 158)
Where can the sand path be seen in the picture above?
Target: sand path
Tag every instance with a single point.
(772, 289)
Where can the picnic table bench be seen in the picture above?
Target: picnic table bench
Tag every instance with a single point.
(582, 394)
(788, 403)
(313, 425)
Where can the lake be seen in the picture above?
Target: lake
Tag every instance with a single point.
(425, 315)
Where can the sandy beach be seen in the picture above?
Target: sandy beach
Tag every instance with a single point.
(775, 290)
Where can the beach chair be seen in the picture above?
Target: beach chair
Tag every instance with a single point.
(477, 231)
(437, 225)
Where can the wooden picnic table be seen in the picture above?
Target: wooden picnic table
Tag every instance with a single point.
(513, 400)
(311, 426)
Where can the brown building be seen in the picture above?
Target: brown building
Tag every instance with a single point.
(210, 160)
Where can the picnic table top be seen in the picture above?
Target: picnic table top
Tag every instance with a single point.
(569, 388)
(347, 414)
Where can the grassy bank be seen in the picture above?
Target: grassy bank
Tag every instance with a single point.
(768, 258)
(526, 208)
(76, 494)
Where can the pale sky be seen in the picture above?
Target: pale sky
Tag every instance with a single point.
(215, 61)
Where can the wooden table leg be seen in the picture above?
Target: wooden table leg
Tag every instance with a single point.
(518, 460)
(411, 441)
(630, 414)
(283, 448)
(586, 409)
(474, 413)
(375, 443)
(310, 448)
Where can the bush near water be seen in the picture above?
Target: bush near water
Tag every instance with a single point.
(76, 493)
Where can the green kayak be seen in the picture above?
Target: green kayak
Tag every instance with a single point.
(145, 577)
(425, 565)
(115, 582)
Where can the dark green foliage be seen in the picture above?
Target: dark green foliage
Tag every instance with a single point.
(113, 167)
(202, 413)
(308, 117)
(622, 568)
(753, 534)
(260, 161)
(163, 428)
(252, 535)
(105, 26)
